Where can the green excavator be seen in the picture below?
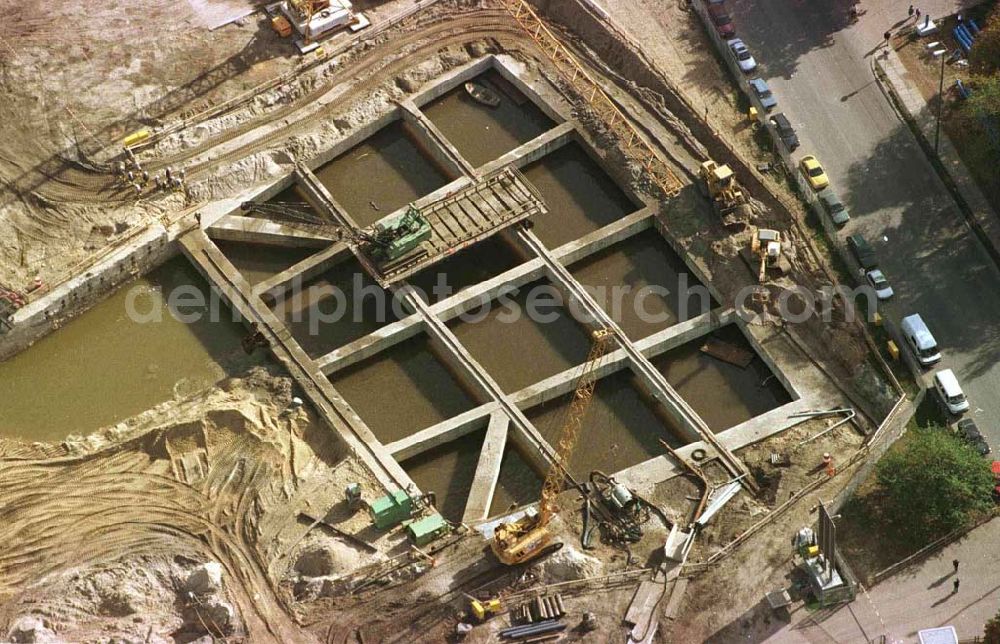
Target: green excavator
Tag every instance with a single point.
(387, 242)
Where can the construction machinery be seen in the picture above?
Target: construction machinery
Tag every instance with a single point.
(386, 242)
(396, 238)
(481, 609)
(311, 20)
(719, 182)
(528, 537)
(765, 244)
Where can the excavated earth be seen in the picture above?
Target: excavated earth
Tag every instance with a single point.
(198, 518)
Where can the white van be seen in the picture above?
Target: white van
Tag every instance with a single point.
(919, 337)
(951, 393)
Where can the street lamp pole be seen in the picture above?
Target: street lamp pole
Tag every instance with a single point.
(937, 128)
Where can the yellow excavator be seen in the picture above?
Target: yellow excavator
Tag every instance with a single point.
(529, 537)
(766, 245)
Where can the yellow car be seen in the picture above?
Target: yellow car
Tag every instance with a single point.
(814, 172)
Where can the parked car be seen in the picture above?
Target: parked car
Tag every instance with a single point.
(967, 429)
(722, 20)
(815, 174)
(763, 92)
(834, 207)
(920, 340)
(876, 279)
(785, 131)
(742, 55)
(863, 252)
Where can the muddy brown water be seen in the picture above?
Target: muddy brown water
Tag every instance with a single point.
(473, 265)
(481, 133)
(103, 367)
(336, 308)
(516, 349)
(581, 197)
(381, 174)
(448, 470)
(622, 426)
(626, 279)
(403, 389)
(723, 394)
(258, 262)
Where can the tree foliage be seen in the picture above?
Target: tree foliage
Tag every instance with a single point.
(984, 57)
(991, 633)
(934, 485)
(985, 99)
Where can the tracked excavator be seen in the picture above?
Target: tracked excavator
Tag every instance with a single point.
(529, 537)
(386, 243)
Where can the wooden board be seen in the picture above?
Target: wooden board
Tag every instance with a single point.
(468, 216)
(728, 352)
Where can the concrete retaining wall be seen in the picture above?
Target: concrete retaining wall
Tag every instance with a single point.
(146, 251)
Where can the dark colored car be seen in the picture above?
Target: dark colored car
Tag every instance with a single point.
(863, 252)
(722, 20)
(968, 430)
(763, 92)
(834, 207)
(785, 131)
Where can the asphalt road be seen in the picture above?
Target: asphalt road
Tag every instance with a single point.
(820, 69)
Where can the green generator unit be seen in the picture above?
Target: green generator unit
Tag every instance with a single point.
(425, 530)
(391, 510)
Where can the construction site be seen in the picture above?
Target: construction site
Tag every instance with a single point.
(238, 407)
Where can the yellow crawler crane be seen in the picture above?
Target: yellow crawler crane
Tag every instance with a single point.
(529, 537)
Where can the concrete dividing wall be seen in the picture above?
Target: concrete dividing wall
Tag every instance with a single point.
(434, 143)
(69, 299)
(511, 69)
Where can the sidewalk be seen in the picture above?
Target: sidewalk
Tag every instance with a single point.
(916, 598)
(984, 218)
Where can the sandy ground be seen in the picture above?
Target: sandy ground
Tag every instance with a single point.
(224, 477)
(76, 78)
(725, 603)
(104, 538)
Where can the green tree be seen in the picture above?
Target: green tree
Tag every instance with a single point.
(985, 99)
(934, 485)
(991, 634)
(984, 57)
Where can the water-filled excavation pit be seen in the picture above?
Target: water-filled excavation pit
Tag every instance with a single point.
(515, 324)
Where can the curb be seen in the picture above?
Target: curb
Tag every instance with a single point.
(927, 551)
(885, 83)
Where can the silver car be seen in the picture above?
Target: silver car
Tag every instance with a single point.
(877, 280)
(742, 54)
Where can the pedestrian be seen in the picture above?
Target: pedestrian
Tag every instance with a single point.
(887, 35)
(955, 564)
(957, 582)
(909, 12)
(917, 13)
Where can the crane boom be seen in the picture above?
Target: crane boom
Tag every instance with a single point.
(528, 537)
(570, 432)
(302, 213)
